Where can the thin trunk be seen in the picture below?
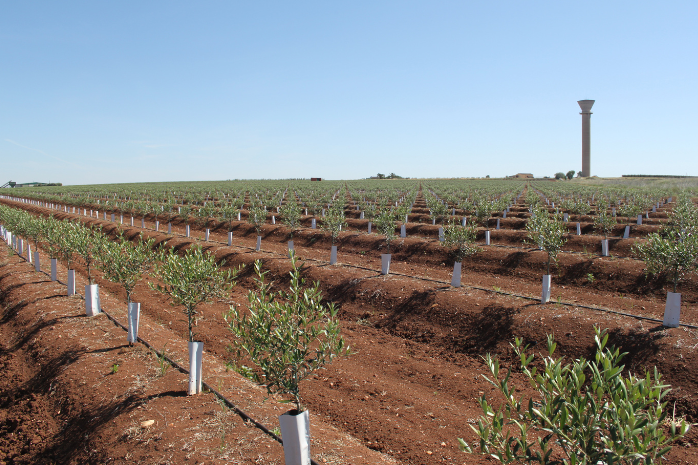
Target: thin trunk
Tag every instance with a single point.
(189, 318)
(548, 264)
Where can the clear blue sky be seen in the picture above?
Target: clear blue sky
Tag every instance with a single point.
(98, 92)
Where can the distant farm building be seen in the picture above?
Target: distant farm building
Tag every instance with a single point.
(316, 179)
(523, 176)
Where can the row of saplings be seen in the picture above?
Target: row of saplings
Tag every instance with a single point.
(584, 412)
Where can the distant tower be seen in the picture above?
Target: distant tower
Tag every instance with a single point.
(586, 105)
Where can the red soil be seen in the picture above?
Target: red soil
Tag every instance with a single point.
(409, 390)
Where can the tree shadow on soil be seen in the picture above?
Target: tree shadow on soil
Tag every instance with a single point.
(641, 345)
(483, 332)
(512, 262)
(42, 380)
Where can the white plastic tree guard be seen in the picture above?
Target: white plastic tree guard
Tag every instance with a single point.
(157, 225)
(487, 238)
(29, 252)
(579, 229)
(504, 214)
(604, 247)
(441, 234)
(463, 221)
(672, 309)
(121, 219)
(545, 297)
(333, 255)
(433, 221)
(112, 217)
(369, 227)
(361, 215)
(258, 246)
(385, 263)
(639, 219)
(239, 217)
(54, 269)
(291, 250)
(196, 350)
(626, 234)
(313, 223)
(71, 282)
(142, 223)
(131, 221)
(230, 238)
(295, 431)
(455, 280)
(498, 223)
(20, 246)
(273, 219)
(403, 231)
(188, 231)
(134, 316)
(565, 217)
(37, 262)
(92, 299)
(208, 234)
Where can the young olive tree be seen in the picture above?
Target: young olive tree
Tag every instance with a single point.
(603, 221)
(191, 279)
(385, 223)
(584, 412)
(87, 241)
(291, 216)
(257, 216)
(124, 262)
(674, 250)
(53, 230)
(229, 213)
(333, 222)
(287, 334)
(462, 238)
(547, 232)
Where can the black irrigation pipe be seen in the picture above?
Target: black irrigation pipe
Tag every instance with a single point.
(181, 369)
(509, 294)
(521, 296)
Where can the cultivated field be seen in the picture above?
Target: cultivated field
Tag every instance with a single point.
(412, 384)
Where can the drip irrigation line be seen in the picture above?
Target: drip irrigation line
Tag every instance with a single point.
(510, 294)
(503, 246)
(229, 403)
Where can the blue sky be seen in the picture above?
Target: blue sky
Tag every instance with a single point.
(99, 92)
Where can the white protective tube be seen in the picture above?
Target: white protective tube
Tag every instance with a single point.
(71, 282)
(134, 316)
(385, 263)
(672, 309)
(92, 299)
(333, 255)
(196, 350)
(455, 280)
(545, 297)
(295, 431)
